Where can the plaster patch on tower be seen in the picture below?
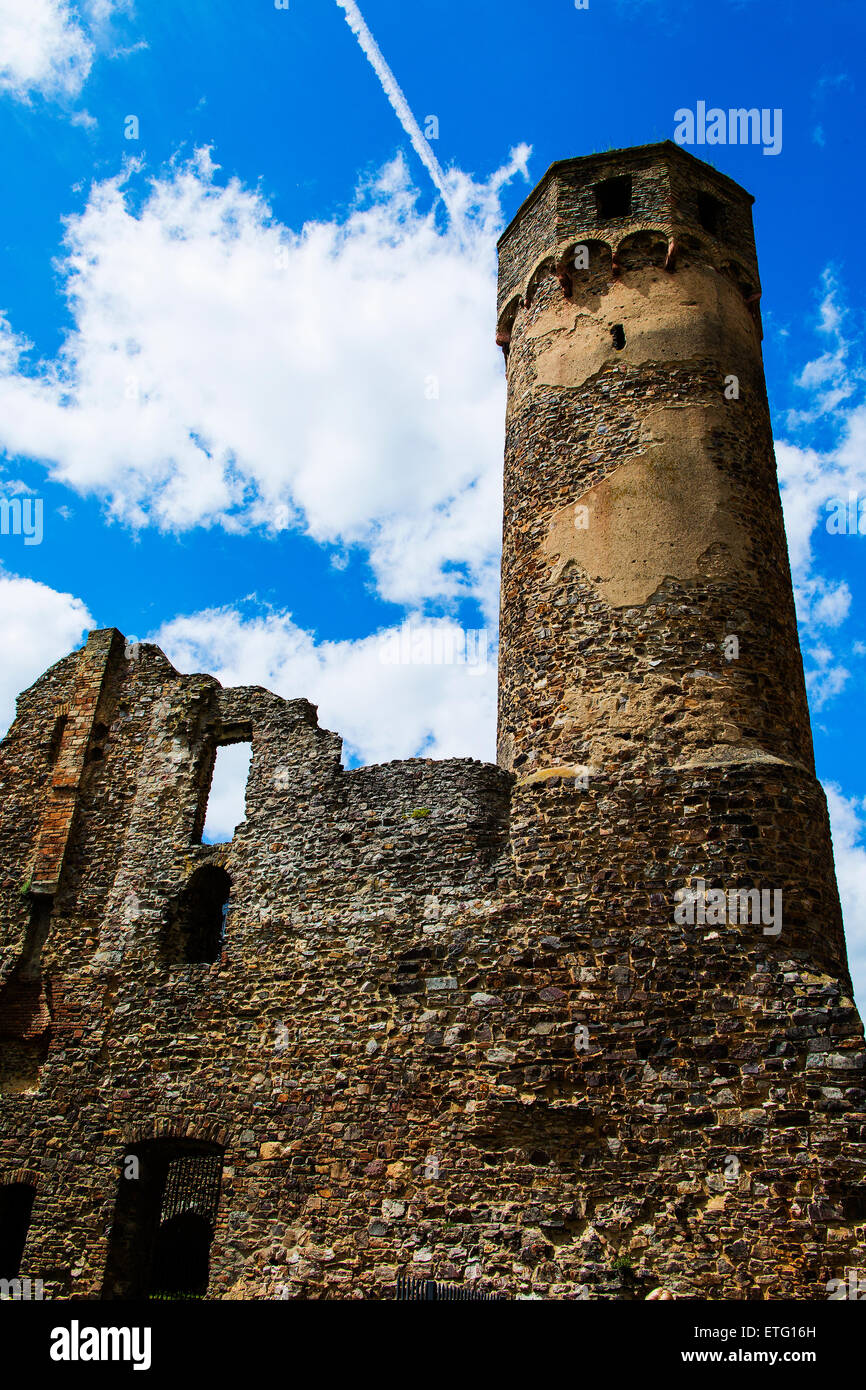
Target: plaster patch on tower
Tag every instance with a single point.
(661, 319)
(567, 772)
(667, 513)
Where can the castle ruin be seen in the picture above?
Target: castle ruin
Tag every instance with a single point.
(491, 1025)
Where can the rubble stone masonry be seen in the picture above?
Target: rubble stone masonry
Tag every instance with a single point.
(453, 1026)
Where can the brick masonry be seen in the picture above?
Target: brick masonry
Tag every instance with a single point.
(455, 1029)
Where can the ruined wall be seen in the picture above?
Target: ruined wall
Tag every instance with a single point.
(354, 896)
(454, 1026)
(385, 1046)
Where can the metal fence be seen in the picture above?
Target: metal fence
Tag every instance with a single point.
(411, 1290)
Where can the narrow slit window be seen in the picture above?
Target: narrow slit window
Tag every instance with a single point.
(226, 806)
(57, 737)
(613, 198)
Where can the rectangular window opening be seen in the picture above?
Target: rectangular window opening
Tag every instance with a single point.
(613, 197)
(710, 213)
(226, 805)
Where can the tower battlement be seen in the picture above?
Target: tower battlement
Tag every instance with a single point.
(613, 197)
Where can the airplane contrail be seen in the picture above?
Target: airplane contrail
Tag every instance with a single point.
(391, 88)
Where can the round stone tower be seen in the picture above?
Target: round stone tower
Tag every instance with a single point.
(647, 611)
(647, 621)
(667, 825)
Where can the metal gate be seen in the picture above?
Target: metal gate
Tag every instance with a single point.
(192, 1184)
(411, 1290)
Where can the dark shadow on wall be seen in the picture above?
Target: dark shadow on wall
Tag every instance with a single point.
(25, 1014)
(16, 1205)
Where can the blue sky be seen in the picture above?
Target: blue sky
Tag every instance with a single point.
(247, 359)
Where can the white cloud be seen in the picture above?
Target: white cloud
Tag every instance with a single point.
(226, 371)
(100, 12)
(38, 626)
(849, 846)
(815, 483)
(46, 46)
(809, 478)
(383, 705)
(831, 603)
(826, 678)
(83, 119)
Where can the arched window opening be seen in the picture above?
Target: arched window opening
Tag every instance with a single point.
(16, 1206)
(164, 1221)
(196, 929)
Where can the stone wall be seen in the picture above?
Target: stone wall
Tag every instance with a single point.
(386, 1046)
